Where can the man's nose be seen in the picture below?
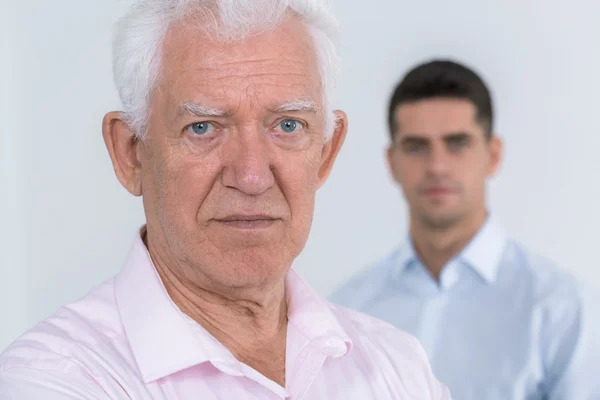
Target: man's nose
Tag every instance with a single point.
(438, 160)
(247, 156)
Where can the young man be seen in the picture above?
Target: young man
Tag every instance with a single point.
(497, 321)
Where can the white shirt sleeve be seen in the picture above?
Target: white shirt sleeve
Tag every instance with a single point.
(23, 383)
(574, 339)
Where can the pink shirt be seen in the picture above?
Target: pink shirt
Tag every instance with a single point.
(128, 340)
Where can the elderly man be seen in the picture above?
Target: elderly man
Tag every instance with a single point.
(227, 133)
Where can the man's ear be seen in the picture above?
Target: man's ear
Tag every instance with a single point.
(391, 160)
(123, 145)
(496, 147)
(332, 147)
(388, 158)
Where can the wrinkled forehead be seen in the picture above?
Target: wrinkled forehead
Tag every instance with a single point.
(272, 66)
(436, 118)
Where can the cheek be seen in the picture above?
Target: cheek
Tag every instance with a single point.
(408, 174)
(472, 177)
(181, 188)
(298, 180)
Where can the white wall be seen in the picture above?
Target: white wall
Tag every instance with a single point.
(12, 239)
(67, 224)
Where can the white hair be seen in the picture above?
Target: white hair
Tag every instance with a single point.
(139, 36)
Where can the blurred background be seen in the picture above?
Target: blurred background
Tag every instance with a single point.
(67, 224)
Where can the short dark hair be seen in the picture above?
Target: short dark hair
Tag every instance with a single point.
(443, 78)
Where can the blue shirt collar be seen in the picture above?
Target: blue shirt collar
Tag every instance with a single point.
(483, 253)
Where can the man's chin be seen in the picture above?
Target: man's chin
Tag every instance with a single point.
(247, 266)
(440, 221)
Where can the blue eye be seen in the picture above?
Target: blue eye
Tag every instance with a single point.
(290, 125)
(201, 128)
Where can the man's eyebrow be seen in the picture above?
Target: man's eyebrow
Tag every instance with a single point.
(302, 104)
(457, 135)
(415, 137)
(200, 110)
(411, 137)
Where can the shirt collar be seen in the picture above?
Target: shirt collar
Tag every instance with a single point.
(164, 340)
(158, 333)
(314, 318)
(483, 253)
(406, 255)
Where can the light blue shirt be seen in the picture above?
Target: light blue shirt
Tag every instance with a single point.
(501, 323)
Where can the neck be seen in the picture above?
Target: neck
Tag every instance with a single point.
(252, 324)
(436, 247)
